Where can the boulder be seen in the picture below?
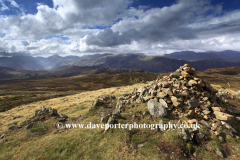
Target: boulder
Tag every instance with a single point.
(156, 109)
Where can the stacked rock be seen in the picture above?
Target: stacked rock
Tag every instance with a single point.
(185, 96)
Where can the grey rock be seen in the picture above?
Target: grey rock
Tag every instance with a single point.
(201, 134)
(205, 124)
(105, 119)
(141, 145)
(63, 116)
(53, 112)
(193, 103)
(97, 102)
(166, 85)
(156, 109)
(116, 114)
(36, 112)
(145, 113)
(184, 134)
(13, 127)
(113, 97)
(233, 110)
(228, 126)
(119, 105)
(182, 94)
(139, 100)
(142, 91)
(161, 125)
(2, 136)
(168, 91)
(134, 91)
(29, 126)
(105, 98)
(220, 153)
(222, 140)
(236, 148)
(176, 74)
(111, 120)
(228, 133)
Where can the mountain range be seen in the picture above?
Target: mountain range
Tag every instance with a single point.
(228, 55)
(57, 66)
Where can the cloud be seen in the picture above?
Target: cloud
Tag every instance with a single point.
(25, 43)
(66, 14)
(154, 25)
(3, 6)
(187, 25)
(116, 26)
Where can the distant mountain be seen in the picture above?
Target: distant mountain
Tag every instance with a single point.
(21, 62)
(211, 63)
(35, 63)
(52, 61)
(154, 64)
(228, 55)
(190, 55)
(9, 73)
(83, 61)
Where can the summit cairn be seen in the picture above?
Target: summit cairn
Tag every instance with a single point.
(186, 97)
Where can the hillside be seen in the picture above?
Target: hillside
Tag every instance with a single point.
(24, 91)
(42, 140)
(228, 55)
(154, 64)
(10, 74)
(190, 55)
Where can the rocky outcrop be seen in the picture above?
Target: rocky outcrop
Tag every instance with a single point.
(182, 95)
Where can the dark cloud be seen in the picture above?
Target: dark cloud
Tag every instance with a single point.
(6, 54)
(25, 43)
(185, 25)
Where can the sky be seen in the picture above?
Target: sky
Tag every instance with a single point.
(81, 27)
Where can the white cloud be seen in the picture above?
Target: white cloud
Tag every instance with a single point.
(186, 25)
(3, 6)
